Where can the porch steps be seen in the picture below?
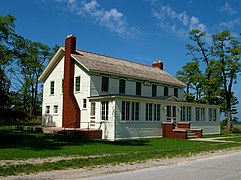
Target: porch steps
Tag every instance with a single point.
(191, 135)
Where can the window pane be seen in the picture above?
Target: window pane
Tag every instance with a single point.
(123, 111)
(154, 90)
(127, 111)
(47, 109)
(55, 109)
(122, 86)
(137, 111)
(138, 88)
(165, 91)
(176, 92)
(84, 103)
(105, 84)
(92, 110)
(77, 83)
(52, 87)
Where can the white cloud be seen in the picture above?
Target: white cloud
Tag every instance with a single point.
(228, 9)
(113, 20)
(231, 24)
(178, 23)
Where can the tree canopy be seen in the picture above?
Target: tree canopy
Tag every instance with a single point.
(213, 71)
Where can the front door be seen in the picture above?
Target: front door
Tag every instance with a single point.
(171, 113)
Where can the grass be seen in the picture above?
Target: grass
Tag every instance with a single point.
(16, 144)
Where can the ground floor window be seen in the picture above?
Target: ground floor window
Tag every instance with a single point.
(186, 113)
(197, 111)
(92, 109)
(47, 109)
(104, 110)
(212, 114)
(153, 112)
(202, 114)
(130, 111)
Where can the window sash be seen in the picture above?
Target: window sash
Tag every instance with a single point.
(165, 91)
(122, 86)
(51, 87)
(176, 92)
(154, 90)
(138, 88)
(77, 83)
(105, 84)
(104, 110)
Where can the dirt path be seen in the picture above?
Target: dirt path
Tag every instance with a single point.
(110, 169)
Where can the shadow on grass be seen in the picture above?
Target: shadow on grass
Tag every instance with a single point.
(12, 138)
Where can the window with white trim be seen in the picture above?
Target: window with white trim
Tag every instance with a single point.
(130, 111)
(104, 110)
(92, 109)
(157, 112)
(186, 113)
(47, 109)
(77, 84)
(84, 103)
(55, 109)
(212, 114)
(51, 87)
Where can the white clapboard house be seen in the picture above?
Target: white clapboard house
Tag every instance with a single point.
(122, 98)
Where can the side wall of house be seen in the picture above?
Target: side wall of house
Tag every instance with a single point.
(55, 119)
(50, 101)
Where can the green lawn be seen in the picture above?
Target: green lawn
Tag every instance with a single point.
(16, 144)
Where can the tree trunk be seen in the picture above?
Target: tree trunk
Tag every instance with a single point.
(229, 122)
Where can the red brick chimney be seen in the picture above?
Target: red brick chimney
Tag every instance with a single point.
(158, 64)
(71, 110)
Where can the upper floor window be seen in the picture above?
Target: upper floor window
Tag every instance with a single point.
(165, 91)
(105, 84)
(51, 87)
(154, 90)
(122, 86)
(176, 92)
(77, 83)
(138, 88)
(84, 103)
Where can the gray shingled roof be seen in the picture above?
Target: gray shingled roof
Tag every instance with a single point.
(115, 66)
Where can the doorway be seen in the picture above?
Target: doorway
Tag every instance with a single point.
(171, 113)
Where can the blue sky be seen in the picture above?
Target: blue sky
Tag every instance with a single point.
(138, 30)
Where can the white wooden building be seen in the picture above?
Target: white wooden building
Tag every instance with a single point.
(123, 98)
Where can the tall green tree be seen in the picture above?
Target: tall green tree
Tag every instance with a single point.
(227, 50)
(7, 30)
(31, 58)
(219, 61)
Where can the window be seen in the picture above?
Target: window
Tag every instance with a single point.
(122, 86)
(138, 88)
(135, 111)
(104, 110)
(125, 116)
(165, 91)
(47, 109)
(55, 109)
(176, 92)
(77, 84)
(84, 103)
(183, 113)
(202, 114)
(148, 112)
(51, 87)
(92, 109)
(105, 84)
(212, 114)
(154, 90)
(186, 113)
(189, 113)
(130, 111)
(157, 112)
(197, 109)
